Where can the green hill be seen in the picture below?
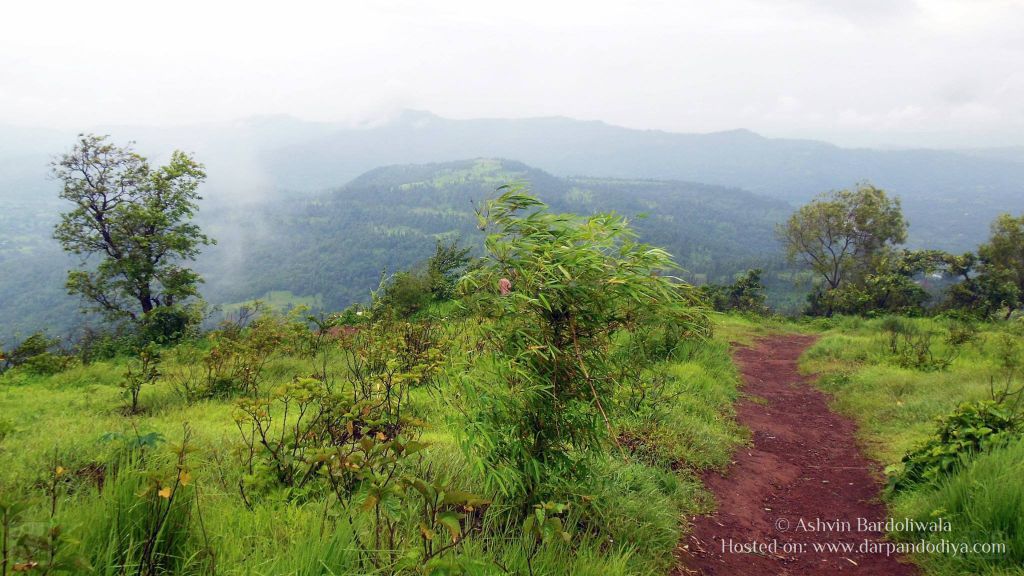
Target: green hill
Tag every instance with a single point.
(335, 246)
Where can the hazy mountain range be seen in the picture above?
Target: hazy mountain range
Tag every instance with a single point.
(949, 196)
(305, 207)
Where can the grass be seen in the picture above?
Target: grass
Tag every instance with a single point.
(896, 407)
(632, 524)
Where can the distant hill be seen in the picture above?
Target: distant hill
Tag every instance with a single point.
(950, 197)
(331, 248)
(335, 246)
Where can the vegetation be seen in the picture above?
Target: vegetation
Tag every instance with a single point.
(537, 396)
(842, 236)
(137, 219)
(325, 445)
(951, 434)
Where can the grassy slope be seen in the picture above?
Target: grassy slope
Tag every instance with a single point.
(896, 409)
(60, 419)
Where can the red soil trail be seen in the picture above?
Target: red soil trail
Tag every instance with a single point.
(804, 466)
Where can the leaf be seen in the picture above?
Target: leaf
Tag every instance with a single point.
(451, 521)
(460, 498)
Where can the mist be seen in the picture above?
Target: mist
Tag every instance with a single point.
(880, 74)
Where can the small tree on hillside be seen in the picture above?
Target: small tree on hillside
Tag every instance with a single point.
(842, 235)
(137, 219)
(553, 290)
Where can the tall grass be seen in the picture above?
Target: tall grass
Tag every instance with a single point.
(984, 503)
(629, 522)
(896, 408)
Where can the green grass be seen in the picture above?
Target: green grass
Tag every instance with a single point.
(896, 408)
(984, 503)
(634, 518)
(280, 300)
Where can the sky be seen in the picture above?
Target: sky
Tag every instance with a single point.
(880, 73)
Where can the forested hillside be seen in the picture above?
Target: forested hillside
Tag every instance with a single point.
(949, 196)
(331, 249)
(336, 246)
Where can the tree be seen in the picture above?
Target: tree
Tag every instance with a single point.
(137, 219)
(746, 294)
(891, 286)
(445, 267)
(573, 284)
(1002, 257)
(842, 234)
(982, 290)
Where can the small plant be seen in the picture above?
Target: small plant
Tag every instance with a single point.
(12, 510)
(145, 369)
(45, 553)
(544, 524)
(238, 354)
(973, 427)
(146, 510)
(894, 329)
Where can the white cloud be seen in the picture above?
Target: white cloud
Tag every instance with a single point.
(862, 72)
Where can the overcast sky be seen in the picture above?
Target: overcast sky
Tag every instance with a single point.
(859, 72)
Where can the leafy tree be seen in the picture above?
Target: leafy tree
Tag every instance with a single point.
(407, 292)
(842, 234)
(137, 219)
(746, 294)
(1003, 257)
(982, 290)
(445, 267)
(539, 413)
(144, 370)
(891, 286)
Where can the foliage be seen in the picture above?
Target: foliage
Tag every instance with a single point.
(146, 511)
(52, 551)
(983, 501)
(37, 354)
(237, 355)
(974, 427)
(144, 370)
(840, 235)
(746, 294)
(409, 291)
(359, 445)
(137, 219)
(1003, 258)
(403, 294)
(445, 267)
(537, 416)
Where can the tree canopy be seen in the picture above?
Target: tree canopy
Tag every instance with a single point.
(842, 235)
(137, 219)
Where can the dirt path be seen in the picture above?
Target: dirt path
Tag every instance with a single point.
(803, 471)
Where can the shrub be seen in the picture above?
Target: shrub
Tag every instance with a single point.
(553, 290)
(746, 294)
(983, 501)
(143, 370)
(237, 356)
(142, 523)
(972, 428)
(38, 355)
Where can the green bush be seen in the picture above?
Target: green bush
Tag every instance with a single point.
(974, 427)
(553, 292)
(983, 501)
